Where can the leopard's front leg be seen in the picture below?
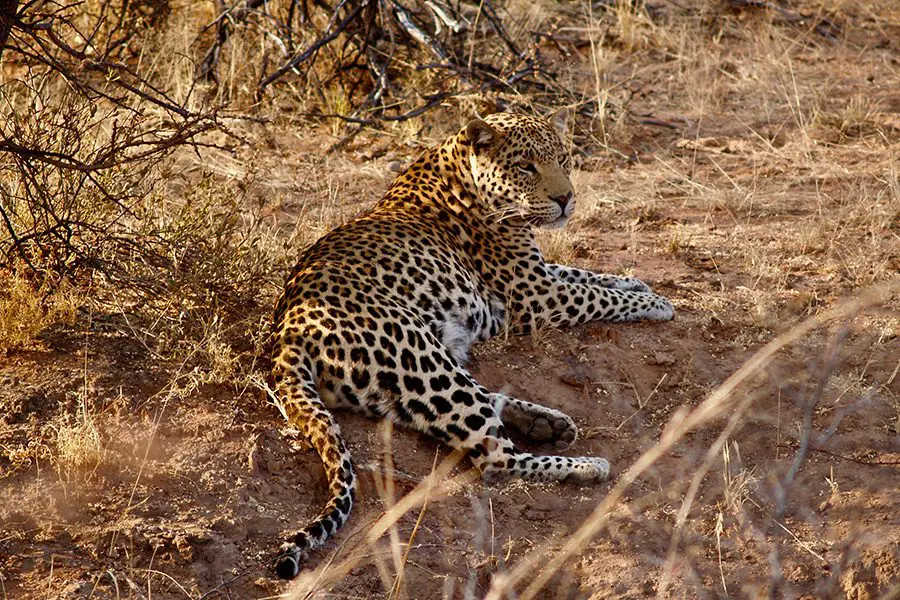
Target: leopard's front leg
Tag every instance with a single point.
(553, 301)
(575, 275)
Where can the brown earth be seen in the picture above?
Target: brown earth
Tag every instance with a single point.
(128, 475)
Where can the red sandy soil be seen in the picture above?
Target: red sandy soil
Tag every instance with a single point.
(192, 490)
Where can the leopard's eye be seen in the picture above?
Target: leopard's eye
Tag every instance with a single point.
(526, 166)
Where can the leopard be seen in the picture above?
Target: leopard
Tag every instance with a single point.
(378, 316)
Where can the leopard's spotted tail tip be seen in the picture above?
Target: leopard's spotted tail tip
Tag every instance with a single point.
(287, 564)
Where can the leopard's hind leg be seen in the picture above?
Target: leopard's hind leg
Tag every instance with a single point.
(448, 404)
(535, 421)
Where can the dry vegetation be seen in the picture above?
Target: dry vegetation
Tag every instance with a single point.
(740, 156)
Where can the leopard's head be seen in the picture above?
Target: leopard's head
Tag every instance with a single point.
(520, 167)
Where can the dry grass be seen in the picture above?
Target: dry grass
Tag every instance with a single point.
(25, 311)
(768, 193)
(79, 447)
(740, 483)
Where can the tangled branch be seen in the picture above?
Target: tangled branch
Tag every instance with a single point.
(371, 47)
(76, 113)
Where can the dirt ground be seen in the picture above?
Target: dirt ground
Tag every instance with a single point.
(755, 190)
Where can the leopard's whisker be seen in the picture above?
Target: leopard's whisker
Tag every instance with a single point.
(510, 210)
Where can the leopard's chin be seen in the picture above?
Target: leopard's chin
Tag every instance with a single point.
(558, 223)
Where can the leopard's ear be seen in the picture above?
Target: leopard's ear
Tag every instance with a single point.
(480, 133)
(560, 121)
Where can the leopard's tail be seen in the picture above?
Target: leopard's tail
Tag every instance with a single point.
(301, 405)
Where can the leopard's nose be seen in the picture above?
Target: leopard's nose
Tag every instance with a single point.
(562, 200)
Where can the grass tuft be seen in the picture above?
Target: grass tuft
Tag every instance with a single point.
(26, 311)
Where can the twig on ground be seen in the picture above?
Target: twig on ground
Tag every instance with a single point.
(871, 463)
